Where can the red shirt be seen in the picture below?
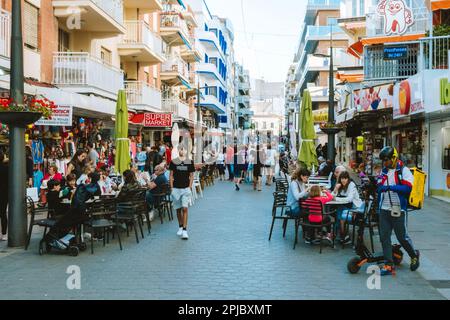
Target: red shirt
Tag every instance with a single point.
(168, 155)
(313, 207)
(57, 177)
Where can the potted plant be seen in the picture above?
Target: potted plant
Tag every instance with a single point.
(331, 127)
(23, 114)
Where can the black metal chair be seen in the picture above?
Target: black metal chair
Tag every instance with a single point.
(314, 207)
(127, 212)
(100, 221)
(140, 200)
(46, 223)
(369, 222)
(280, 211)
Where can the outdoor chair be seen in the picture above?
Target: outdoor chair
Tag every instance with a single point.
(369, 222)
(281, 185)
(100, 221)
(46, 223)
(313, 207)
(139, 199)
(127, 212)
(280, 211)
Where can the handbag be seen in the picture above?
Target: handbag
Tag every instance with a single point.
(396, 211)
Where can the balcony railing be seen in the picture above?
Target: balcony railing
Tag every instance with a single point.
(79, 69)
(138, 32)
(176, 64)
(176, 107)
(114, 8)
(173, 19)
(5, 34)
(140, 93)
(434, 52)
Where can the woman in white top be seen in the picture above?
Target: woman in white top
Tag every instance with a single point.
(297, 190)
(270, 164)
(346, 192)
(220, 162)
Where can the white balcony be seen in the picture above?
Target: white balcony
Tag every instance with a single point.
(175, 71)
(211, 102)
(192, 54)
(174, 29)
(178, 108)
(5, 40)
(144, 6)
(209, 71)
(245, 86)
(210, 41)
(140, 44)
(141, 96)
(243, 100)
(79, 72)
(96, 15)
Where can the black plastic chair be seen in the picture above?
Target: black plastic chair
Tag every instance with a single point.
(127, 212)
(46, 223)
(280, 211)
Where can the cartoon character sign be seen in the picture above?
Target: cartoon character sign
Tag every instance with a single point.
(397, 16)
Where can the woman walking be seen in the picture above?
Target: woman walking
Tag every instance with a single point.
(239, 162)
(221, 164)
(76, 165)
(257, 169)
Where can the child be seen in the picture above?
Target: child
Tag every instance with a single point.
(141, 158)
(84, 178)
(71, 186)
(315, 217)
(53, 200)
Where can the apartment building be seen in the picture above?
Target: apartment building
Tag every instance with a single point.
(320, 31)
(243, 113)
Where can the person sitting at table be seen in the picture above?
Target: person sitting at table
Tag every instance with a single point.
(335, 176)
(71, 186)
(54, 201)
(315, 193)
(84, 178)
(107, 186)
(346, 192)
(156, 185)
(297, 190)
(129, 187)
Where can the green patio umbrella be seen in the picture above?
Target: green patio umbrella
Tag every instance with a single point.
(122, 161)
(307, 154)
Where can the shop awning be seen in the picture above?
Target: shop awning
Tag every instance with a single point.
(351, 78)
(185, 83)
(440, 5)
(380, 40)
(356, 49)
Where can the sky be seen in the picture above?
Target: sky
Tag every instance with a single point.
(266, 33)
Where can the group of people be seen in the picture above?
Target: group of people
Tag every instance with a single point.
(394, 184)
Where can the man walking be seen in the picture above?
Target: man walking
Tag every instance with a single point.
(394, 187)
(181, 179)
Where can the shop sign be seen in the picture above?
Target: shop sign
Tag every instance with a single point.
(395, 53)
(444, 88)
(62, 117)
(157, 120)
(408, 99)
(374, 98)
(396, 15)
(320, 116)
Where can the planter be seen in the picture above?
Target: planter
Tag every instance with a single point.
(331, 130)
(19, 119)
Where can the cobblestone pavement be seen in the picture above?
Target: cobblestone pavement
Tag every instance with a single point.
(228, 256)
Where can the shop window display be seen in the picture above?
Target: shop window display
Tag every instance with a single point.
(410, 146)
(446, 144)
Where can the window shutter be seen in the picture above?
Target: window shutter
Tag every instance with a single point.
(30, 32)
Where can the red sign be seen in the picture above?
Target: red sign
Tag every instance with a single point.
(153, 120)
(157, 120)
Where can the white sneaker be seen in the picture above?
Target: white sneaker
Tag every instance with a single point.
(185, 235)
(180, 232)
(152, 215)
(4, 237)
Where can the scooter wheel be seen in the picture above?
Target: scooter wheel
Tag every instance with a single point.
(353, 265)
(48, 247)
(397, 255)
(74, 251)
(82, 246)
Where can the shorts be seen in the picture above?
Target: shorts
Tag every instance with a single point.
(269, 170)
(181, 198)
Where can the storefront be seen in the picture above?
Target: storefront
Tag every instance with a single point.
(156, 127)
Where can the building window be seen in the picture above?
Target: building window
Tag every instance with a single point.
(361, 8)
(264, 125)
(332, 21)
(354, 8)
(30, 30)
(213, 61)
(106, 55)
(63, 41)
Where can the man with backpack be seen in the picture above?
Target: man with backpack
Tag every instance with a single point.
(394, 187)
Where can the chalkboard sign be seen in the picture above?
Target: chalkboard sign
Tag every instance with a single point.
(395, 53)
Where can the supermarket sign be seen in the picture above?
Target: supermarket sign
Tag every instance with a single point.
(61, 117)
(152, 120)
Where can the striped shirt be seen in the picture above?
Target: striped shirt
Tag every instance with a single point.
(386, 202)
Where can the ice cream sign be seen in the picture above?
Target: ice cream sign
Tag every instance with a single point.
(397, 16)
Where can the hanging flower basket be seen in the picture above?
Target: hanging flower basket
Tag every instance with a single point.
(331, 128)
(15, 114)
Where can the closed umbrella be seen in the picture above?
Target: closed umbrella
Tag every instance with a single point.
(123, 160)
(307, 154)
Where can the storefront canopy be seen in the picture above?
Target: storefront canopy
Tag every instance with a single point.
(356, 49)
(440, 5)
(351, 78)
(380, 40)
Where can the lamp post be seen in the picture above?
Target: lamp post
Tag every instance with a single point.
(17, 172)
(330, 130)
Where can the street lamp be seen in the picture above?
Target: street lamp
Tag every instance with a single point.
(331, 132)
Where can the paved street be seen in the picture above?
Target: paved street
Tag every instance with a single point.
(227, 257)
